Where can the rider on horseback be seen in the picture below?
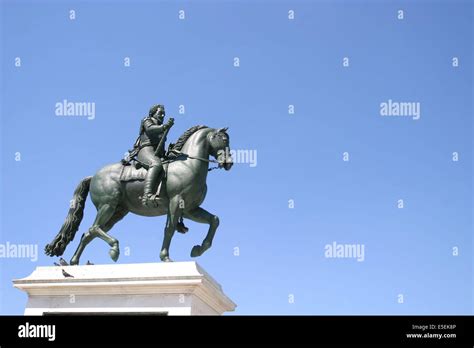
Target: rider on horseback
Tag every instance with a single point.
(184, 188)
(152, 130)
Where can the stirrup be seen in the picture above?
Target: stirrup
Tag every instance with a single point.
(181, 228)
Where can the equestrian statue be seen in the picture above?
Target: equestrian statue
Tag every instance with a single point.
(150, 181)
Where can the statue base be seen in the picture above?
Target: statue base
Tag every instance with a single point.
(171, 288)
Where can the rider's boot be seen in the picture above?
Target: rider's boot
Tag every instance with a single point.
(149, 193)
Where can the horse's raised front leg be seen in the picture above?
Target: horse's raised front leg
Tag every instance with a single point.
(174, 211)
(203, 216)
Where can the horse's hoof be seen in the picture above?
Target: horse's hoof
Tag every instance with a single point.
(166, 259)
(74, 262)
(196, 251)
(114, 254)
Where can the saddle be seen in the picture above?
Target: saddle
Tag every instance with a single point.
(133, 171)
(130, 172)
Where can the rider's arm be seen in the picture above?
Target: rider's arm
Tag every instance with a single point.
(153, 129)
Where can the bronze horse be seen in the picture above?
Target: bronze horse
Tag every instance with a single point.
(181, 193)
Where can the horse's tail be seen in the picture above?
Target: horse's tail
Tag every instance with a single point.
(73, 220)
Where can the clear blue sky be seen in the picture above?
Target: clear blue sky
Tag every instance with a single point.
(337, 109)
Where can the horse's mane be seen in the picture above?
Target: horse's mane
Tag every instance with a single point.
(183, 138)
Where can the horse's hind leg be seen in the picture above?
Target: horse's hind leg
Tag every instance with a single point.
(118, 215)
(85, 239)
(105, 214)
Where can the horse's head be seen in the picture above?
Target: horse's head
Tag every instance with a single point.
(219, 147)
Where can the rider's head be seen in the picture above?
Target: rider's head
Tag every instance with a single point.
(158, 112)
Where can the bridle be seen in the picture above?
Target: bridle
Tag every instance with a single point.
(182, 154)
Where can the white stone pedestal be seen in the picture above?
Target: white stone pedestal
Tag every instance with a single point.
(171, 288)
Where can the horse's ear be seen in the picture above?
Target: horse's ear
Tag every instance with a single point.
(222, 130)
